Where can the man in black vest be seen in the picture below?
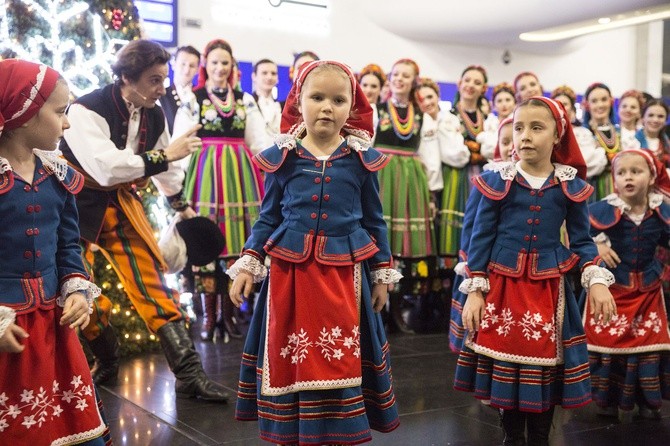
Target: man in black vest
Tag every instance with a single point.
(180, 94)
(118, 139)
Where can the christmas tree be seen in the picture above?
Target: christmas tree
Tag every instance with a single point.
(80, 39)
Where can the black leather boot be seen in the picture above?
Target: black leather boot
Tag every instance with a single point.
(209, 304)
(539, 426)
(228, 320)
(105, 348)
(514, 426)
(184, 361)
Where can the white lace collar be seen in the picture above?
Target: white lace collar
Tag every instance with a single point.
(654, 200)
(508, 170)
(51, 160)
(289, 141)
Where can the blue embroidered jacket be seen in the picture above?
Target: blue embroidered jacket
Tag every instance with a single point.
(516, 230)
(39, 238)
(635, 245)
(330, 209)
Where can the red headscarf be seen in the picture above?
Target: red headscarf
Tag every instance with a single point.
(359, 122)
(24, 88)
(658, 170)
(212, 45)
(497, 156)
(567, 150)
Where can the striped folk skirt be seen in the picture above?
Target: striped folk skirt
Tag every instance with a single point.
(403, 189)
(222, 183)
(549, 367)
(321, 372)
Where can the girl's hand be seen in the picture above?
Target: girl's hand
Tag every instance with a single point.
(9, 342)
(379, 296)
(75, 311)
(610, 256)
(601, 303)
(242, 285)
(473, 310)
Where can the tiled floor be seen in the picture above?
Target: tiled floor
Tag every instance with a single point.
(142, 409)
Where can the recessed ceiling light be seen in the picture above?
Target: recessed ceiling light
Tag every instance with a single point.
(596, 25)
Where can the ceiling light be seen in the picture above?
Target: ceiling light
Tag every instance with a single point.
(596, 25)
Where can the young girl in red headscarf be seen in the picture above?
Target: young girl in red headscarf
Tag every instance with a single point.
(524, 347)
(316, 368)
(625, 354)
(46, 390)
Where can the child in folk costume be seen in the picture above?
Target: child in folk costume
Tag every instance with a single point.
(502, 153)
(525, 349)
(47, 394)
(317, 371)
(625, 354)
(503, 101)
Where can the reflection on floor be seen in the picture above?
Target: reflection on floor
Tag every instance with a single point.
(142, 409)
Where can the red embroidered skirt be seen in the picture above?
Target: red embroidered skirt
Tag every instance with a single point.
(46, 391)
(313, 325)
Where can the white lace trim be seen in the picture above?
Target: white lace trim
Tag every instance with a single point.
(461, 269)
(356, 143)
(475, 283)
(564, 173)
(77, 284)
(654, 200)
(249, 264)
(52, 161)
(4, 166)
(285, 141)
(7, 318)
(508, 170)
(602, 238)
(385, 275)
(595, 274)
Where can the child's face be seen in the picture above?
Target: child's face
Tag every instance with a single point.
(505, 142)
(429, 101)
(45, 129)
(654, 119)
(265, 77)
(185, 66)
(371, 87)
(219, 64)
(471, 86)
(402, 79)
(325, 103)
(600, 104)
(527, 86)
(632, 178)
(503, 104)
(534, 134)
(629, 110)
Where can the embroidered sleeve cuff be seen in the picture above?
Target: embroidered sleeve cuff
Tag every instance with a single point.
(385, 275)
(593, 274)
(78, 284)
(155, 162)
(474, 284)
(177, 201)
(602, 238)
(7, 317)
(249, 264)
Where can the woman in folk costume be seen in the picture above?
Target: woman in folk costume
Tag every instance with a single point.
(372, 79)
(409, 185)
(525, 349)
(599, 119)
(502, 153)
(47, 394)
(471, 88)
(652, 135)
(262, 106)
(503, 101)
(625, 354)
(221, 181)
(315, 367)
(629, 112)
